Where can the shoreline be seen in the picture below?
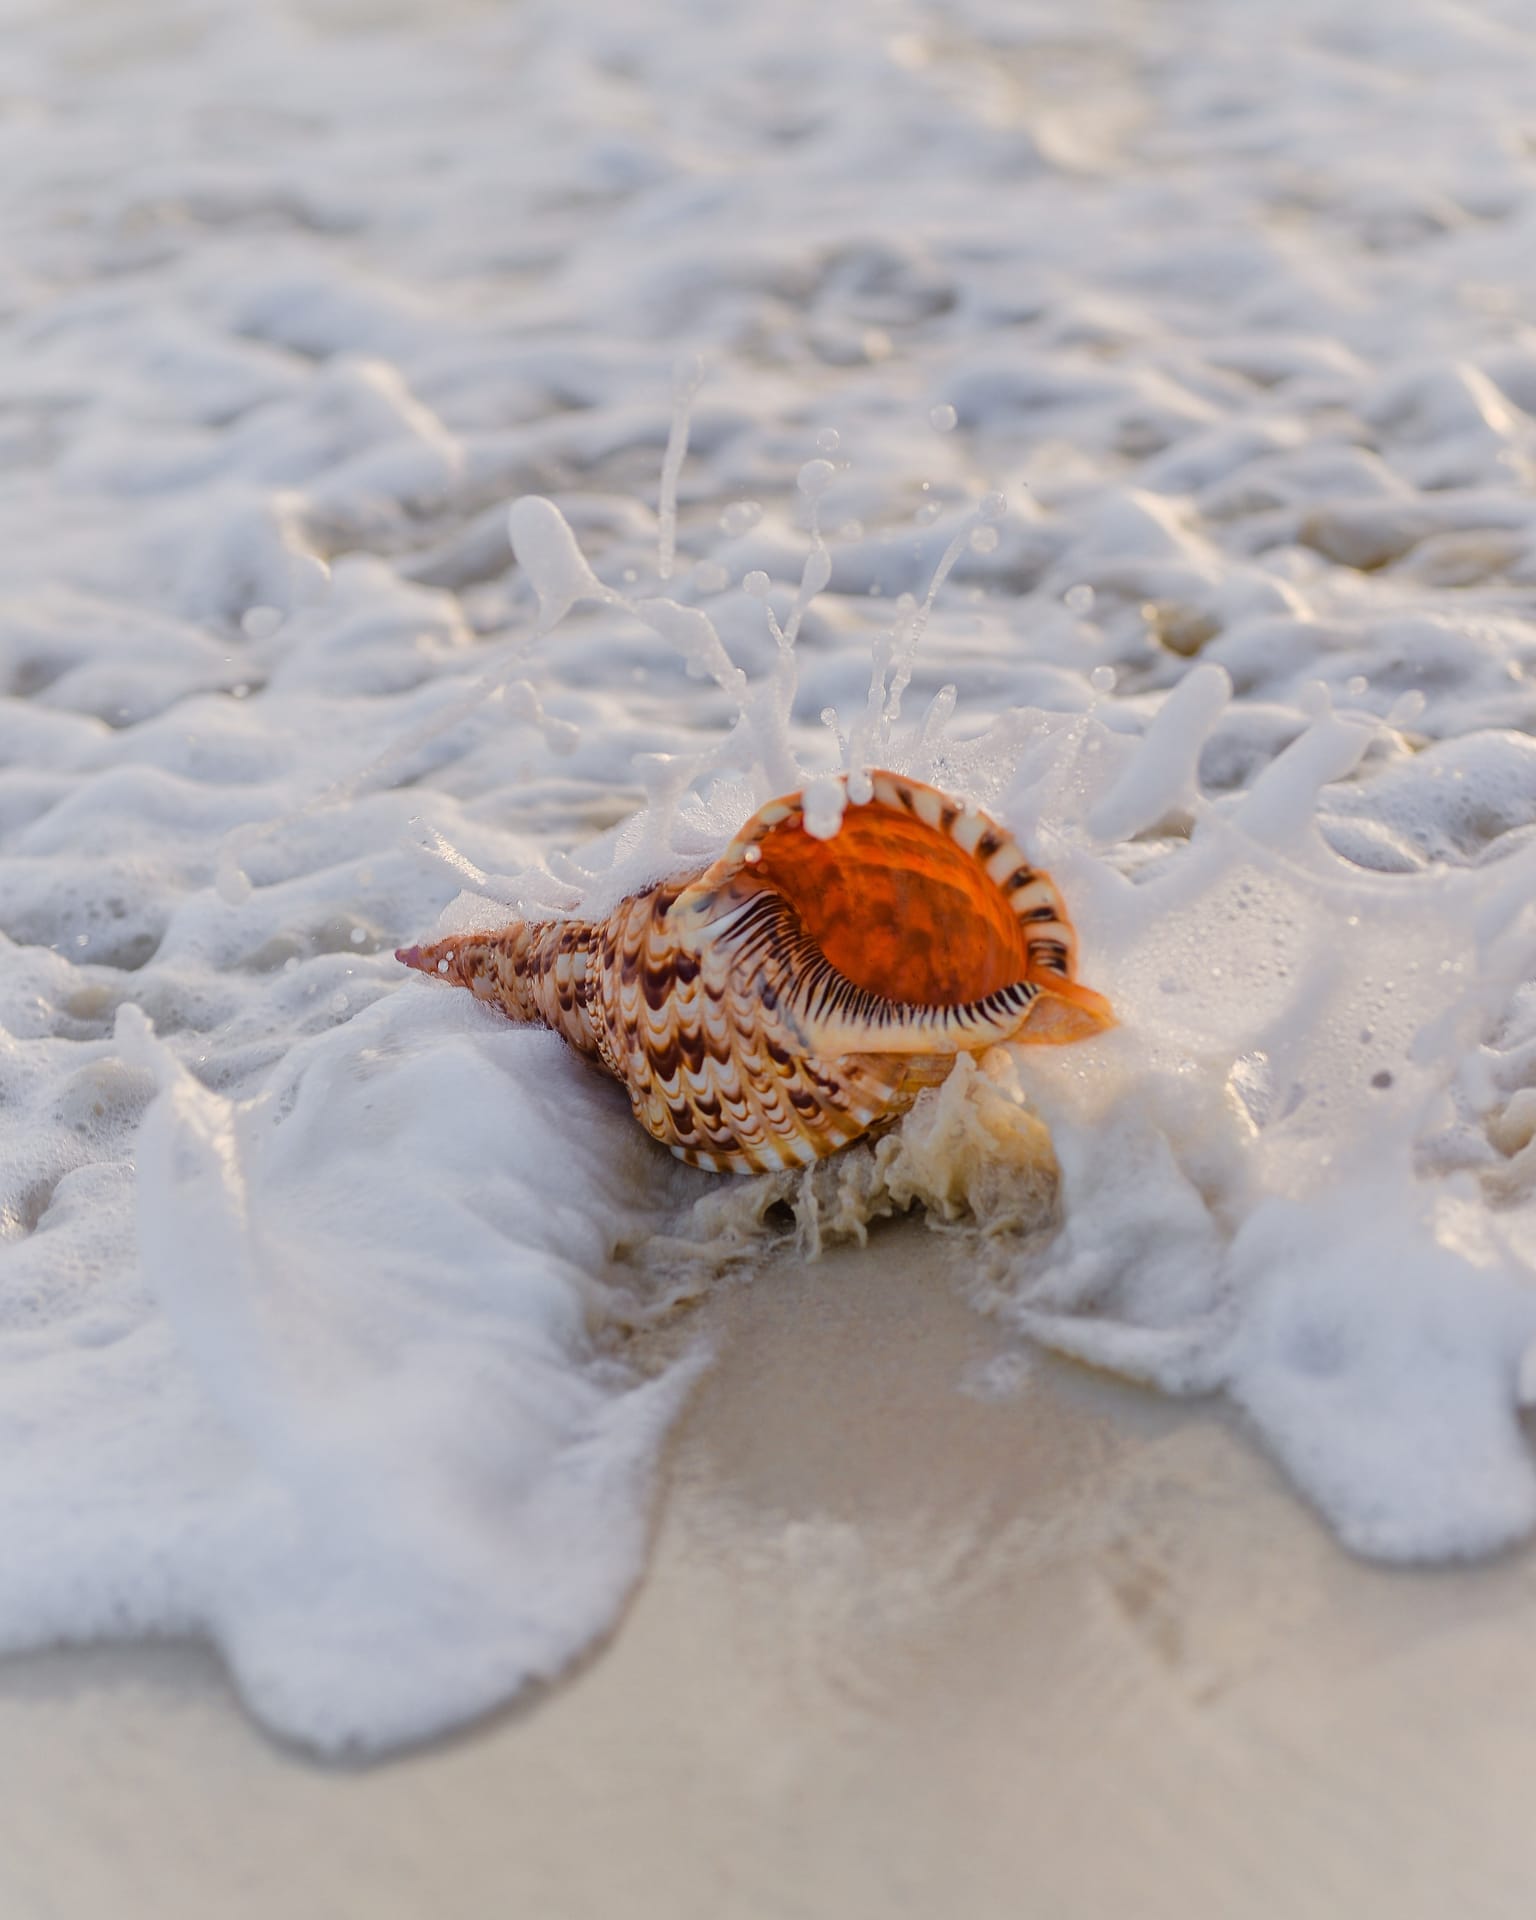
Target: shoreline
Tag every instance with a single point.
(900, 1646)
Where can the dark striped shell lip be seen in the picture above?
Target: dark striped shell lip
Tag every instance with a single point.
(798, 992)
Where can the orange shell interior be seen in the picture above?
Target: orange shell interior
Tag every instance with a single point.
(897, 907)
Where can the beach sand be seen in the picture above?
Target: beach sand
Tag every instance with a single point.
(903, 1647)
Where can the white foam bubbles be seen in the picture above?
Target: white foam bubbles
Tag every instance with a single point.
(354, 1426)
(1244, 1164)
(1224, 460)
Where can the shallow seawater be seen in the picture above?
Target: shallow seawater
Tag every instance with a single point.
(1131, 429)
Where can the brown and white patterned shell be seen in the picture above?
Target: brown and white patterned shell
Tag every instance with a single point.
(769, 1009)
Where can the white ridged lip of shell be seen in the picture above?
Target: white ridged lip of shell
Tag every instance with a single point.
(925, 803)
(872, 1025)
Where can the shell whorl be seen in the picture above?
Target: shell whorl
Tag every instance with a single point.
(534, 970)
(797, 992)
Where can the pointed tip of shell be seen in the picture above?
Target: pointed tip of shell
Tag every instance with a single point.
(413, 957)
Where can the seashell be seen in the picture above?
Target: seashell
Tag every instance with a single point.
(798, 992)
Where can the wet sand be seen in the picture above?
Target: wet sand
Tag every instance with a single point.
(902, 1648)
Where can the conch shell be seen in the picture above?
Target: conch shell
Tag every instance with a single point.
(769, 1009)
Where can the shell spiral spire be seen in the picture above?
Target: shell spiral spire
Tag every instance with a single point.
(776, 1005)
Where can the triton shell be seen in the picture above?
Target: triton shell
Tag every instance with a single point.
(769, 1009)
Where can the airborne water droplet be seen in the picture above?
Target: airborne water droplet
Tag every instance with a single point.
(740, 517)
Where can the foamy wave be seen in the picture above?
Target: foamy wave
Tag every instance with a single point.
(318, 1311)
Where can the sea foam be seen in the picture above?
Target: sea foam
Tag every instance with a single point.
(1247, 1166)
(319, 1300)
(347, 1419)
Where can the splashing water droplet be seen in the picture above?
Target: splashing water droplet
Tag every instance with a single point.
(984, 540)
(547, 552)
(942, 419)
(828, 440)
(825, 801)
(1102, 679)
(815, 574)
(740, 517)
(815, 477)
(757, 584)
(1079, 599)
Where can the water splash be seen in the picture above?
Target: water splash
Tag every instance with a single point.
(1248, 1192)
(1294, 1032)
